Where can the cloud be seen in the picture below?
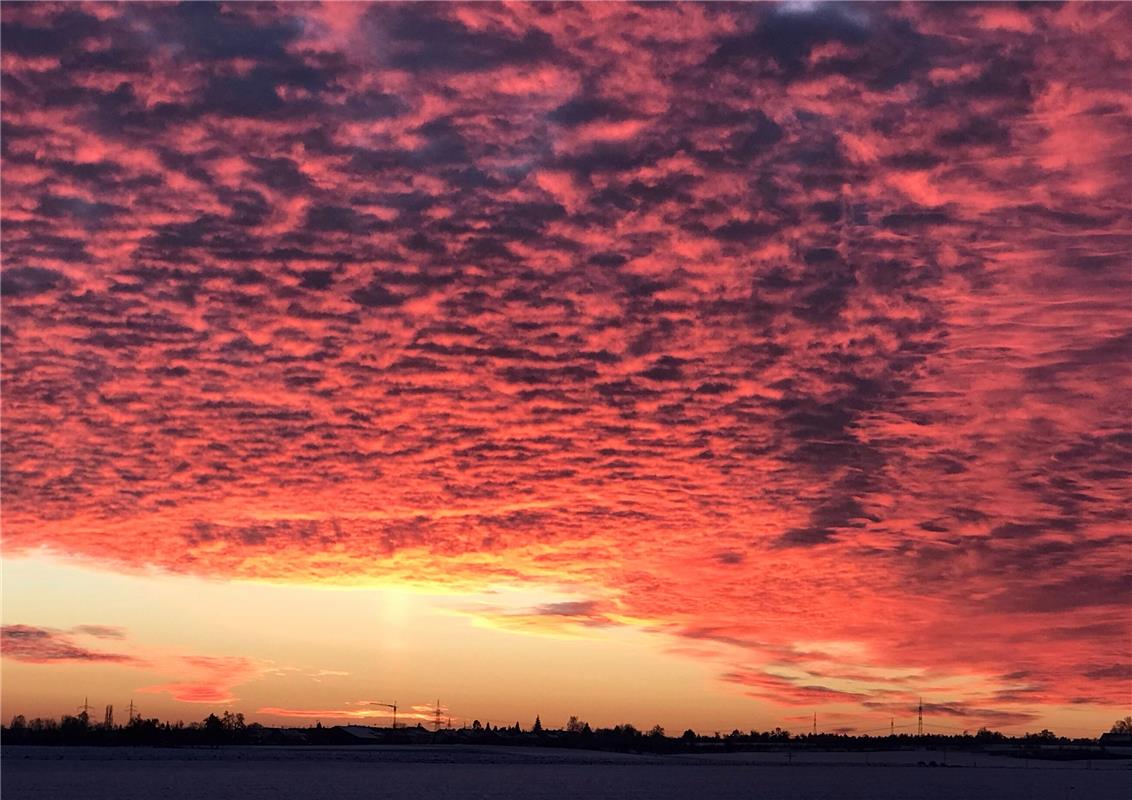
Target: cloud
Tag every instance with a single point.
(29, 281)
(809, 327)
(45, 646)
(201, 679)
(100, 631)
(569, 619)
(210, 679)
(962, 713)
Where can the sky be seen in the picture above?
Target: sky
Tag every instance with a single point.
(704, 365)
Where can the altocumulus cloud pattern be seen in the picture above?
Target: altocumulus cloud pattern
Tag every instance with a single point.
(746, 322)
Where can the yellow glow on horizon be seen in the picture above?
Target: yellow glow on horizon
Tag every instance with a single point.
(328, 647)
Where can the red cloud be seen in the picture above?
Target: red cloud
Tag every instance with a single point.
(213, 681)
(801, 335)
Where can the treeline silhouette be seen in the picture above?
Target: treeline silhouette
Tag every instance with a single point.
(231, 729)
(77, 729)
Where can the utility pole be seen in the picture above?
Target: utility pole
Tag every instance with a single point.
(131, 712)
(815, 723)
(920, 718)
(892, 727)
(436, 719)
(109, 717)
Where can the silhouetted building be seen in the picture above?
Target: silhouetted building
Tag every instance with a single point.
(354, 734)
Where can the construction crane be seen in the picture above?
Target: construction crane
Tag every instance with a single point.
(392, 705)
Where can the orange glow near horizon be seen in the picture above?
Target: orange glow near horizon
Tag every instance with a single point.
(724, 366)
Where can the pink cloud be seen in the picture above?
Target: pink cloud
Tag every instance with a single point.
(783, 331)
(45, 646)
(211, 679)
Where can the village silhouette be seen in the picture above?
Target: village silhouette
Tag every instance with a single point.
(232, 729)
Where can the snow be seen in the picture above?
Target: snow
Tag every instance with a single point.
(456, 773)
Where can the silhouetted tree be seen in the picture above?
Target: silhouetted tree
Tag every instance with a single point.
(1122, 725)
(987, 735)
(657, 732)
(213, 729)
(74, 729)
(40, 725)
(537, 727)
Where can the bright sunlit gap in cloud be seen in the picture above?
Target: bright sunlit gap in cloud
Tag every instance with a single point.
(331, 649)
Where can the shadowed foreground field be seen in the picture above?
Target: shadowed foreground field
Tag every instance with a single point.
(313, 774)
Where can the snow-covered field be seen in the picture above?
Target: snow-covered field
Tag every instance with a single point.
(540, 774)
